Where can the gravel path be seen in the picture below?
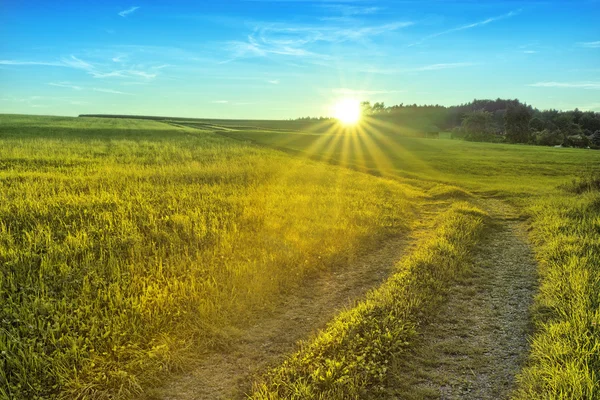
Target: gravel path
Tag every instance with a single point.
(476, 345)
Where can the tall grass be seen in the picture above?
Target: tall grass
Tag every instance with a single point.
(351, 356)
(128, 246)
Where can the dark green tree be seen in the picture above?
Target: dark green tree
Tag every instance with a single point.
(595, 138)
(516, 123)
(477, 124)
(536, 125)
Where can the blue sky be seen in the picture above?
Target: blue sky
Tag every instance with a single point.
(291, 58)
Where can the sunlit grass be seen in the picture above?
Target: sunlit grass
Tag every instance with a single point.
(129, 246)
(564, 360)
(351, 357)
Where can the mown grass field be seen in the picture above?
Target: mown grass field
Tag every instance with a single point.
(130, 247)
(558, 190)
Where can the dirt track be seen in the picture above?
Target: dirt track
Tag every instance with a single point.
(473, 350)
(478, 341)
(228, 375)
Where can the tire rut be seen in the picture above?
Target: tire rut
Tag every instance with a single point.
(475, 346)
(228, 375)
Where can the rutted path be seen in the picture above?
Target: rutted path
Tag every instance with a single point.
(478, 341)
(229, 374)
(472, 349)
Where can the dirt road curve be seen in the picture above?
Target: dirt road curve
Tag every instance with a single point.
(478, 341)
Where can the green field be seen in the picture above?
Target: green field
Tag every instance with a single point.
(557, 190)
(132, 249)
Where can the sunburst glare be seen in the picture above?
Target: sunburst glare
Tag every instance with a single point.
(347, 111)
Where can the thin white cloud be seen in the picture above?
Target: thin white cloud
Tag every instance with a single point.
(573, 85)
(65, 85)
(17, 62)
(530, 51)
(74, 62)
(430, 67)
(97, 70)
(435, 67)
(274, 82)
(109, 91)
(361, 92)
(590, 45)
(469, 26)
(125, 13)
(220, 101)
(296, 40)
(352, 10)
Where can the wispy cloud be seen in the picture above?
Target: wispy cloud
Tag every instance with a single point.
(220, 101)
(423, 68)
(125, 13)
(274, 81)
(590, 45)
(574, 85)
(300, 40)
(65, 85)
(17, 62)
(351, 10)
(97, 70)
(109, 91)
(435, 67)
(469, 26)
(361, 92)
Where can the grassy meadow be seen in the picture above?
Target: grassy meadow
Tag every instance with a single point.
(129, 248)
(351, 358)
(556, 189)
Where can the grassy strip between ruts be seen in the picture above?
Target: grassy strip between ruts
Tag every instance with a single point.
(564, 361)
(350, 357)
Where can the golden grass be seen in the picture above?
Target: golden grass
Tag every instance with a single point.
(128, 246)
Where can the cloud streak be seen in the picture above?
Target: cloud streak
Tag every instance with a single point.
(111, 91)
(130, 10)
(65, 85)
(298, 40)
(45, 63)
(571, 85)
(361, 92)
(436, 67)
(590, 45)
(469, 26)
(96, 70)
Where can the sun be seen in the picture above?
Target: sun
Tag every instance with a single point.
(347, 111)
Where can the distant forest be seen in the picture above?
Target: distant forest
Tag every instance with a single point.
(499, 120)
(491, 121)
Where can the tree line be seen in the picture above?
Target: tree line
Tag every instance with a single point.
(500, 120)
